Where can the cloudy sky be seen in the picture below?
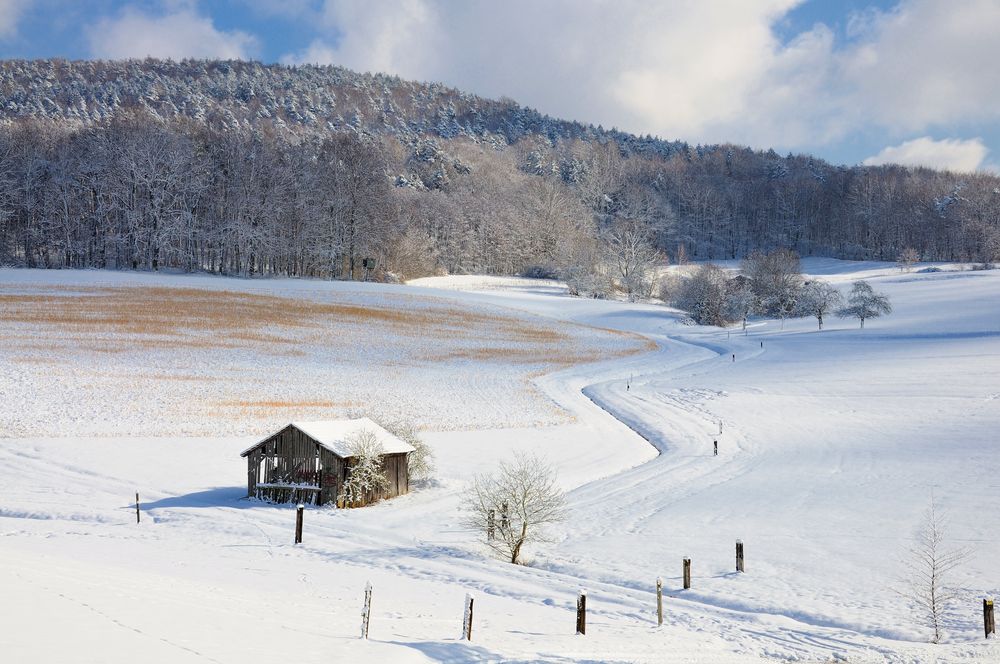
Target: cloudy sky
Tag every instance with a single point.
(872, 81)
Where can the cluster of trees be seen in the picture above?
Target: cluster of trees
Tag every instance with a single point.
(140, 193)
(769, 284)
(242, 168)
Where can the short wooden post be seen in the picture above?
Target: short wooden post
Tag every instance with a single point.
(137, 507)
(467, 618)
(298, 523)
(720, 426)
(659, 601)
(366, 612)
(491, 521)
(715, 446)
(989, 626)
(739, 556)
(687, 573)
(581, 612)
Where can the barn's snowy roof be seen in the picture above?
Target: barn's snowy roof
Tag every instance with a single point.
(335, 436)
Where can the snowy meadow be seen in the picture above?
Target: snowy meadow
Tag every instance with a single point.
(831, 445)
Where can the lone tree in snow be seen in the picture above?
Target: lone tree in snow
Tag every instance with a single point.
(818, 299)
(367, 475)
(907, 257)
(863, 302)
(928, 568)
(515, 503)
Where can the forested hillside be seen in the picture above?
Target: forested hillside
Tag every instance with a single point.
(244, 168)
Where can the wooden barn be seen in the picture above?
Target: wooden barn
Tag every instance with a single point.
(308, 462)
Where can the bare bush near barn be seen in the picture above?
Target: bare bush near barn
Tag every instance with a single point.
(366, 476)
(520, 499)
(928, 569)
(420, 463)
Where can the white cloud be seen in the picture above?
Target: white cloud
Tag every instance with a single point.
(701, 71)
(951, 154)
(10, 15)
(929, 63)
(180, 33)
(289, 9)
(670, 67)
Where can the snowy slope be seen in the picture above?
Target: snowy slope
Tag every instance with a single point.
(832, 442)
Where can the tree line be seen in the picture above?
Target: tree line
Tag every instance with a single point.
(246, 169)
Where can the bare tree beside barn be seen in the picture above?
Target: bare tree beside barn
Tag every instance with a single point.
(366, 476)
(420, 462)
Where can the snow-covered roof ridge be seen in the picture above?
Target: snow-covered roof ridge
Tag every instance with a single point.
(335, 435)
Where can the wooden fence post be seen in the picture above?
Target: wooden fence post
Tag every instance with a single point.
(659, 601)
(467, 619)
(366, 611)
(137, 507)
(720, 426)
(298, 523)
(687, 573)
(581, 612)
(989, 625)
(715, 445)
(491, 520)
(739, 556)
(504, 518)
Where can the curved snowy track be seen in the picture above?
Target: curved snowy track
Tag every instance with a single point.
(828, 452)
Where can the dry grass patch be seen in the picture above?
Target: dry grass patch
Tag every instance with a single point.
(288, 404)
(264, 410)
(142, 317)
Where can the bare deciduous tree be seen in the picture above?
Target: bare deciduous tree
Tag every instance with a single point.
(928, 569)
(907, 257)
(741, 303)
(703, 295)
(818, 299)
(632, 256)
(775, 278)
(518, 501)
(863, 303)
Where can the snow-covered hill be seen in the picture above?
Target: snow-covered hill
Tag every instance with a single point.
(832, 443)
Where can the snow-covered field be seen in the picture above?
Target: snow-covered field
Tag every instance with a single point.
(832, 443)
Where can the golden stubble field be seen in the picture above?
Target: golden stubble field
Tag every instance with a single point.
(167, 360)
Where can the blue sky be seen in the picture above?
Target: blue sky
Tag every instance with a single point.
(912, 81)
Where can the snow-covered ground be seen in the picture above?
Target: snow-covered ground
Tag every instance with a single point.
(832, 443)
